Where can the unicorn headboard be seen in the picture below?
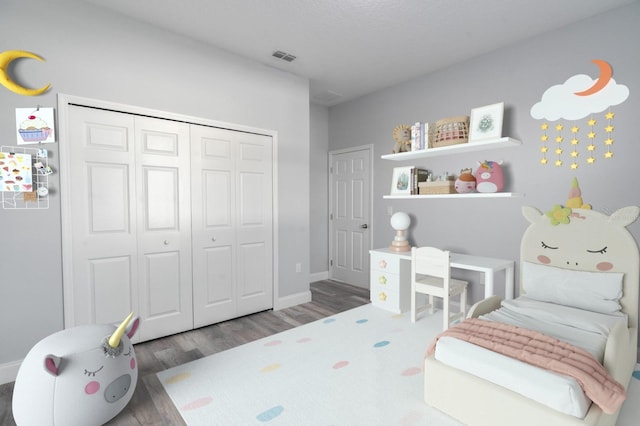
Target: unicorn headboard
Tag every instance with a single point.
(584, 240)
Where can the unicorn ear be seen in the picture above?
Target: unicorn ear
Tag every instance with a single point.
(531, 214)
(625, 216)
(133, 327)
(52, 364)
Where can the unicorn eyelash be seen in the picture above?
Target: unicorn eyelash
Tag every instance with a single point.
(128, 353)
(92, 373)
(548, 247)
(601, 251)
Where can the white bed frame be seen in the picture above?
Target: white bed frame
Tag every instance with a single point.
(475, 401)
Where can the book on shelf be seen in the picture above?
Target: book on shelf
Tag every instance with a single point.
(418, 175)
(421, 135)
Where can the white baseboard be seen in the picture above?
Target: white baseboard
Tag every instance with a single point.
(292, 300)
(9, 371)
(319, 276)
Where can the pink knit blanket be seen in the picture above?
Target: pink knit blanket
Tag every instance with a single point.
(542, 351)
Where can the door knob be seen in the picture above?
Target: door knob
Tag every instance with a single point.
(166, 242)
(365, 226)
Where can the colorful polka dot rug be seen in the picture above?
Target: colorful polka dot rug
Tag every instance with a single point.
(359, 367)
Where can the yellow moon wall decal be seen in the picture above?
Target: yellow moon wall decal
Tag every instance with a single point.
(5, 59)
(605, 75)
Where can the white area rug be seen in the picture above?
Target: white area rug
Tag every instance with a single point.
(359, 367)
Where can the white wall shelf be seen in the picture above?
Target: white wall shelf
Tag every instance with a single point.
(471, 195)
(454, 149)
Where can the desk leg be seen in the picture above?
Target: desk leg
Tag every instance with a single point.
(509, 282)
(488, 284)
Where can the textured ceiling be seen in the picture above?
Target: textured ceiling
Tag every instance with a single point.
(348, 48)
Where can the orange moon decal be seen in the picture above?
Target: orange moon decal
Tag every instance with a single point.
(605, 75)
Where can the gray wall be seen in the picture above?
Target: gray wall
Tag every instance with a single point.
(97, 54)
(319, 191)
(517, 75)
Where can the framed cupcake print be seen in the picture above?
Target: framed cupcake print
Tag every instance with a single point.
(35, 125)
(401, 180)
(486, 122)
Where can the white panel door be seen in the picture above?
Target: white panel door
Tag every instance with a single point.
(130, 219)
(232, 231)
(350, 216)
(164, 226)
(104, 277)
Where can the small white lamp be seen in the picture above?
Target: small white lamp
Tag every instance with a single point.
(400, 221)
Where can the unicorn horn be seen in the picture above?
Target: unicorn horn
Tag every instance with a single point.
(114, 340)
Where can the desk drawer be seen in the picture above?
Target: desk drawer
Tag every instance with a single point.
(385, 279)
(385, 299)
(385, 262)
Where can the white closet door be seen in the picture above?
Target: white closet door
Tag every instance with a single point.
(164, 228)
(232, 223)
(129, 197)
(104, 280)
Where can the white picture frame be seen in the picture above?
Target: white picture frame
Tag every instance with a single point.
(401, 180)
(486, 122)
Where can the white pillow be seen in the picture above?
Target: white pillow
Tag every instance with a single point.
(592, 291)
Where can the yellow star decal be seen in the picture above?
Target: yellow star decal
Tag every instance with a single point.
(575, 129)
(591, 147)
(544, 149)
(574, 141)
(544, 138)
(559, 127)
(574, 166)
(608, 154)
(544, 126)
(608, 141)
(558, 163)
(609, 128)
(382, 296)
(559, 139)
(609, 115)
(591, 122)
(591, 160)
(543, 161)
(574, 154)
(591, 135)
(558, 151)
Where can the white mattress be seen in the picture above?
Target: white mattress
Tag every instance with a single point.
(584, 329)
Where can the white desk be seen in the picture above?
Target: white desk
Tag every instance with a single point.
(398, 265)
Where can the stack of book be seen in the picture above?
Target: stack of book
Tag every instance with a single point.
(421, 135)
(418, 175)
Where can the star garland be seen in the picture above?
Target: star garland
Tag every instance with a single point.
(575, 141)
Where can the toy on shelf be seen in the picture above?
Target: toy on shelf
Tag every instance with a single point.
(466, 182)
(489, 176)
(402, 136)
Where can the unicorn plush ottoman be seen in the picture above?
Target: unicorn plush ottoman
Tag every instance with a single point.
(81, 376)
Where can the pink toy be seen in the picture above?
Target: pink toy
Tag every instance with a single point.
(81, 376)
(489, 177)
(466, 182)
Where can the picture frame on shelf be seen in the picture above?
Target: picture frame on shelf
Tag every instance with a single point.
(401, 180)
(486, 122)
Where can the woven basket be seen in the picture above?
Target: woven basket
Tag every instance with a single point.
(451, 131)
(437, 187)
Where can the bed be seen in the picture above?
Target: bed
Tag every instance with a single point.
(582, 267)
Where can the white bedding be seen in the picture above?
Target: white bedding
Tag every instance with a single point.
(584, 329)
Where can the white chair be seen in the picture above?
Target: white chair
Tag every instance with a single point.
(431, 275)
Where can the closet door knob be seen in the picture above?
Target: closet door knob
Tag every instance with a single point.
(213, 238)
(166, 242)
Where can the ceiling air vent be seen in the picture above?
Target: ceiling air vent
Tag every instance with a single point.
(283, 55)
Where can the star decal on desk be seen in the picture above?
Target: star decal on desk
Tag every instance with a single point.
(382, 296)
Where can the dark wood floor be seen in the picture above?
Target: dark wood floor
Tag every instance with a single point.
(150, 404)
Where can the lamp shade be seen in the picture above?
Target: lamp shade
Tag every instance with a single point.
(400, 221)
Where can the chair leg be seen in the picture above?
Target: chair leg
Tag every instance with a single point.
(445, 313)
(463, 303)
(413, 306)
